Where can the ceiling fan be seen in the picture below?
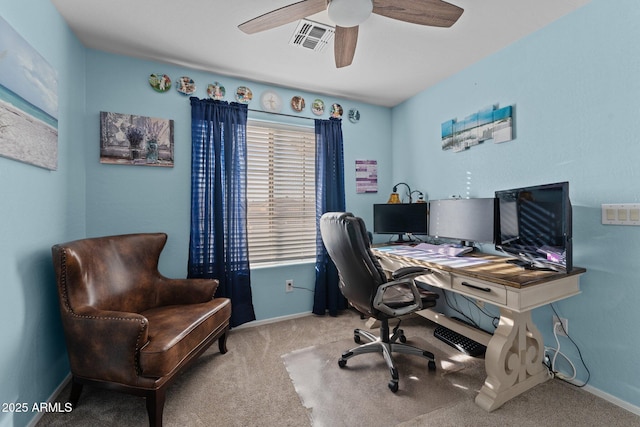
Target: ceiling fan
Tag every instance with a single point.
(349, 14)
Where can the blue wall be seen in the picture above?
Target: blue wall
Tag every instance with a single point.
(37, 209)
(84, 198)
(123, 199)
(575, 87)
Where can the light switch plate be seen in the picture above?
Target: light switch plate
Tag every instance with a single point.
(621, 214)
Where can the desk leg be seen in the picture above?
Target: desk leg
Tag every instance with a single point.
(513, 360)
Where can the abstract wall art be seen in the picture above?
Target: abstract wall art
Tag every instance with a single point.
(491, 123)
(366, 176)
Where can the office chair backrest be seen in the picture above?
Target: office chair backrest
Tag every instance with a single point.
(345, 238)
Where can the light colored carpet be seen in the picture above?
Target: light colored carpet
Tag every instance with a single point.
(250, 386)
(359, 393)
(553, 403)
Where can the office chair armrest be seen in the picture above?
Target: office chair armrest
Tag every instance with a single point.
(378, 301)
(412, 271)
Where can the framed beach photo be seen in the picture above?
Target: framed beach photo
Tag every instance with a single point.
(28, 102)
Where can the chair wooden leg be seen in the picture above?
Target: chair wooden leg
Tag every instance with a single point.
(155, 407)
(222, 343)
(76, 390)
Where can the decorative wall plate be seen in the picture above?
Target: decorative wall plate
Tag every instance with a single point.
(244, 95)
(186, 85)
(354, 115)
(336, 110)
(297, 104)
(160, 82)
(318, 107)
(271, 101)
(216, 91)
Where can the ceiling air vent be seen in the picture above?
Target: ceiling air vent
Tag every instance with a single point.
(312, 35)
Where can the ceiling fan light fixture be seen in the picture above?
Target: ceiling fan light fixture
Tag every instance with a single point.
(349, 13)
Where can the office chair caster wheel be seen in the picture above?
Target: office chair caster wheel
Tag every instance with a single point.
(342, 363)
(432, 365)
(393, 386)
(403, 339)
(356, 338)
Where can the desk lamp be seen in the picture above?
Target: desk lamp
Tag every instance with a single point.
(394, 197)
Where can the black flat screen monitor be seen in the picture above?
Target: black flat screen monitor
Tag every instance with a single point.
(400, 219)
(535, 224)
(467, 220)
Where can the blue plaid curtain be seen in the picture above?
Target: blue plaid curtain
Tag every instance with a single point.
(218, 247)
(330, 197)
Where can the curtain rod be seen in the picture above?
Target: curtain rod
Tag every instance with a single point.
(281, 114)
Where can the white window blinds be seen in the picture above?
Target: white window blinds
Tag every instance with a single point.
(280, 192)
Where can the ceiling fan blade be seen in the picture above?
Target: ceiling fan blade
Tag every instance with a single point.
(344, 45)
(284, 15)
(435, 13)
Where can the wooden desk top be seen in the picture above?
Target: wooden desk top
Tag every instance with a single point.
(497, 270)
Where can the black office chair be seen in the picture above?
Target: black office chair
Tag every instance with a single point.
(364, 284)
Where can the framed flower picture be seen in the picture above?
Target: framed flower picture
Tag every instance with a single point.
(127, 139)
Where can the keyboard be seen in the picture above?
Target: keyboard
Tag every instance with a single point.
(460, 342)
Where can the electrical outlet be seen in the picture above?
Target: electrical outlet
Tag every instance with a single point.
(288, 285)
(564, 330)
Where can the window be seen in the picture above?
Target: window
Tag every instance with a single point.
(281, 211)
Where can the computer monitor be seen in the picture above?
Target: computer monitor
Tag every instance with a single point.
(535, 225)
(400, 219)
(467, 220)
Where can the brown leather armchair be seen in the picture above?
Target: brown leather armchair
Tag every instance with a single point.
(127, 327)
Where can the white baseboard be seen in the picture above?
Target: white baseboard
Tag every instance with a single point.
(273, 320)
(51, 398)
(612, 399)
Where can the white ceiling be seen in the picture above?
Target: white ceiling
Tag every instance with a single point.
(393, 60)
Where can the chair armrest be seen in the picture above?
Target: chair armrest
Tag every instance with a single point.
(185, 291)
(378, 301)
(114, 355)
(412, 271)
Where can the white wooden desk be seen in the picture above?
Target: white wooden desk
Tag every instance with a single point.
(515, 351)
